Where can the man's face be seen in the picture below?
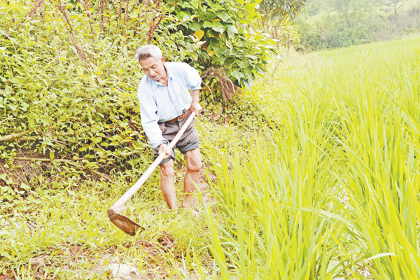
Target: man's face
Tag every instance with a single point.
(153, 68)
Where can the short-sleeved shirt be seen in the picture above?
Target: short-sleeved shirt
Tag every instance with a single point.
(160, 103)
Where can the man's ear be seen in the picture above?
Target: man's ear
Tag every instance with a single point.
(162, 59)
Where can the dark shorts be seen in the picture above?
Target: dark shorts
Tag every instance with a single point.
(187, 142)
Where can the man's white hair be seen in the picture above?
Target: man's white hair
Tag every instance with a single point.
(147, 51)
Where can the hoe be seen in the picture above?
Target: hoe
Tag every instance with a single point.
(114, 213)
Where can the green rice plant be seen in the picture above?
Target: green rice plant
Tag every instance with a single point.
(280, 223)
(333, 192)
(380, 139)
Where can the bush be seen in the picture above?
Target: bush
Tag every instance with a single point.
(68, 78)
(232, 49)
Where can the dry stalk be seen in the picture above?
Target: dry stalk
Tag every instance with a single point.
(43, 16)
(119, 12)
(10, 39)
(151, 31)
(137, 3)
(103, 8)
(65, 14)
(86, 5)
(153, 24)
(159, 20)
(14, 136)
(32, 12)
(80, 50)
(21, 137)
(126, 11)
(34, 8)
(227, 87)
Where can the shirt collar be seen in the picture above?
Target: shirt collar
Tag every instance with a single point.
(170, 74)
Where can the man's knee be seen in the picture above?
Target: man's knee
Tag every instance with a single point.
(195, 166)
(194, 161)
(167, 169)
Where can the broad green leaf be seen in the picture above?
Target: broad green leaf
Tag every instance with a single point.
(17, 80)
(195, 26)
(238, 75)
(207, 24)
(223, 16)
(218, 27)
(13, 107)
(232, 29)
(250, 10)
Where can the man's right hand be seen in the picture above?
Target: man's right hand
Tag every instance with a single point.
(164, 149)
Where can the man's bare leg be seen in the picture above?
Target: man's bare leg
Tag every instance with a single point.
(167, 183)
(193, 172)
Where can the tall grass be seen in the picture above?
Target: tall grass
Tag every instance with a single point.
(334, 191)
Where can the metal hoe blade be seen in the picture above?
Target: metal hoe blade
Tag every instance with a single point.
(123, 222)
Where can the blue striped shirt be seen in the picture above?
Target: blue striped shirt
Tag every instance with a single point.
(159, 103)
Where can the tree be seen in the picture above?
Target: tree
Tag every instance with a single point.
(350, 9)
(396, 5)
(276, 11)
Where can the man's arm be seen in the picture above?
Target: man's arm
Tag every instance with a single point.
(195, 105)
(193, 82)
(149, 118)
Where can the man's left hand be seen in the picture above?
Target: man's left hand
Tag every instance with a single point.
(196, 108)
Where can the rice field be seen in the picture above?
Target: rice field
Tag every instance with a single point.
(333, 193)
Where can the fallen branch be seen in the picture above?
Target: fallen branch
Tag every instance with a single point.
(29, 138)
(20, 136)
(14, 136)
(65, 161)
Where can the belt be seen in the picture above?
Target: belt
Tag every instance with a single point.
(181, 117)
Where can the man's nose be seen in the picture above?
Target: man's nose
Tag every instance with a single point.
(151, 72)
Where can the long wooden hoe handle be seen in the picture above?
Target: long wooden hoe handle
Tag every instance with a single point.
(120, 202)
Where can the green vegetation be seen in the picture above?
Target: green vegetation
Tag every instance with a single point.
(59, 84)
(334, 191)
(313, 174)
(62, 95)
(231, 48)
(340, 23)
(71, 140)
(62, 231)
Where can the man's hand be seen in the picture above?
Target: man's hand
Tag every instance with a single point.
(164, 149)
(196, 108)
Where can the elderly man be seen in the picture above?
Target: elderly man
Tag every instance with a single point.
(165, 104)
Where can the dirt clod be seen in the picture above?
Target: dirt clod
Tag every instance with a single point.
(166, 240)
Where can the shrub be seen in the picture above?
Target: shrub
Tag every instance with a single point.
(233, 49)
(68, 78)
